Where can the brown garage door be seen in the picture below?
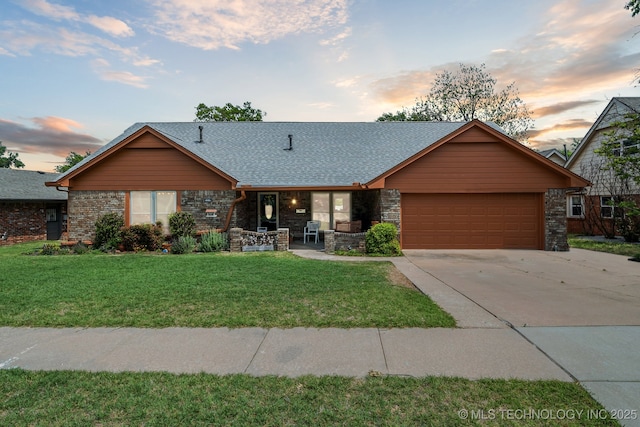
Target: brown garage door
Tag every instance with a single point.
(471, 221)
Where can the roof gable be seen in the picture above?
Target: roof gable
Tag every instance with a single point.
(141, 141)
(614, 111)
(497, 149)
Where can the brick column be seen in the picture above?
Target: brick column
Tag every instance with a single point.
(235, 240)
(283, 239)
(329, 241)
(390, 206)
(555, 220)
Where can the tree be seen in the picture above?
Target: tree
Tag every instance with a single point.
(616, 171)
(228, 113)
(633, 6)
(466, 95)
(10, 160)
(71, 160)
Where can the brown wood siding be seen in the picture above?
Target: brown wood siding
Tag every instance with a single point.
(141, 168)
(478, 167)
(471, 221)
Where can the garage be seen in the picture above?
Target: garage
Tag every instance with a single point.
(471, 221)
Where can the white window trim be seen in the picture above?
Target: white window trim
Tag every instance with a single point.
(570, 206)
(606, 205)
(154, 206)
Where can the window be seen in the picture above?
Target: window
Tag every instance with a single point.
(627, 147)
(575, 206)
(330, 207)
(148, 207)
(607, 210)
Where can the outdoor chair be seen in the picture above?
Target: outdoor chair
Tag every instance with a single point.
(312, 229)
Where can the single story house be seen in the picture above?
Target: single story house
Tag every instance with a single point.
(589, 211)
(443, 184)
(28, 209)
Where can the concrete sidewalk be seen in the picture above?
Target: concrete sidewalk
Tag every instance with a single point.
(477, 353)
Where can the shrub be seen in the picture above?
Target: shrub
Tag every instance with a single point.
(381, 239)
(182, 224)
(108, 229)
(50, 249)
(80, 248)
(142, 237)
(184, 245)
(213, 242)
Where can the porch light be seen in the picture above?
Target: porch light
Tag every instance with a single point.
(294, 201)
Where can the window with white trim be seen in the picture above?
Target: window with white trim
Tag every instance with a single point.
(575, 206)
(628, 147)
(607, 210)
(149, 207)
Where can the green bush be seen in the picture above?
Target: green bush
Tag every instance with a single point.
(382, 239)
(182, 224)
(108, 228)
(142, 237)
(50, 249)
(184, 245)
(213, 242)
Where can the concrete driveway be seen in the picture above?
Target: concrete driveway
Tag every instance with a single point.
(581, 308)
(536, 288)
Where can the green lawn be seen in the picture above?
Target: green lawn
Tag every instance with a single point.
(618, 248)
(205, 290)
(65, 398)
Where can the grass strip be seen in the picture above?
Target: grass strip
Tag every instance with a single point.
(62, 398)
(612, 247)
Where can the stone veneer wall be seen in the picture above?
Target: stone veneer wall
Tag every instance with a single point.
(390, 207)
(23, 222)
(337, 241)
(196, 202)
(555, 220)
(85, 207)
(236, 234)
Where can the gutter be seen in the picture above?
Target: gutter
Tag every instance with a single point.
(243, 196)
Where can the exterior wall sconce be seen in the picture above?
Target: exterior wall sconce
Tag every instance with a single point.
(211, 213)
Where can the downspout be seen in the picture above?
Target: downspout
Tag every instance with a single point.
(58, 188)
(243, 196)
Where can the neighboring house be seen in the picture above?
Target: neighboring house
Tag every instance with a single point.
(554, 155)
(444, 185)
(589, 211)
(28, 209)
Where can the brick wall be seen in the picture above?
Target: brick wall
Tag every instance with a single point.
(390, 207)
(85, 207)
(22, 221)
(196, 202)
(555, 220)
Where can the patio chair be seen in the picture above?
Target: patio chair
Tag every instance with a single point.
(312, 229)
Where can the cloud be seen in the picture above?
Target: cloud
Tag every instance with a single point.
(108, 24)
(50, 135)
(581, 48)
(560, 127)
(561, 107)
(214, 24)
(53, 11)
(103, 69)
(22, 38)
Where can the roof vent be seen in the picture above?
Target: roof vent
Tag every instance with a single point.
(200, 127)
(290, 143)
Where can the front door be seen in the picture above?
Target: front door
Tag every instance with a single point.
(268, 211)
(54, 222)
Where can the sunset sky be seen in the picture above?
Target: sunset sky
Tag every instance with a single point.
(75, 74)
